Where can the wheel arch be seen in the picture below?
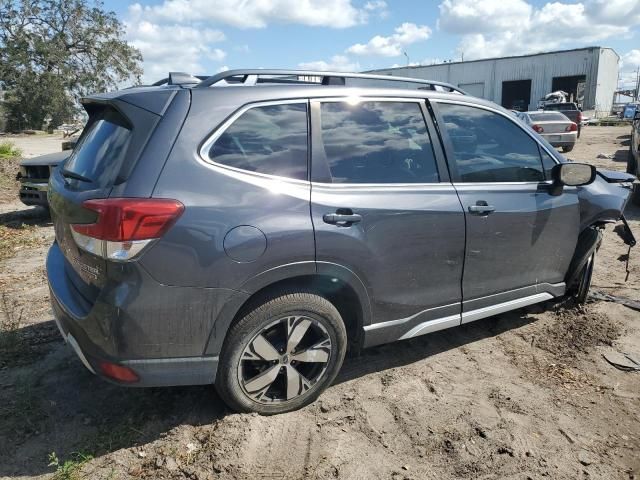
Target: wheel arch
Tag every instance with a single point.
(337, 284)
(588, 241)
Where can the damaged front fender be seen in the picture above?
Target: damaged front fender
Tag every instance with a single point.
(604, 200)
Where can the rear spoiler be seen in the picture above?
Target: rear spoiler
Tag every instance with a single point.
(152, 99)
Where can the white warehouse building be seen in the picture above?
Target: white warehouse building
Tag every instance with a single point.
(589, 75)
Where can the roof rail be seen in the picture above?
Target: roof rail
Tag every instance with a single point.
(180, 78)
(252, 77)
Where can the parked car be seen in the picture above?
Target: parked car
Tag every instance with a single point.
(70, 142)
(633, 163)
(570, 110)
(246, 229)
(34, 173)
(554, 127)
(34, 177)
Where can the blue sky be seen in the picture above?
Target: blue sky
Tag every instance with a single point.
(206, 36)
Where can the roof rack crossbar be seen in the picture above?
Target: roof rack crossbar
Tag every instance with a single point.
(325, 77)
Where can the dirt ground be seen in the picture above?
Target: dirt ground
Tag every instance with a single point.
(523, 395)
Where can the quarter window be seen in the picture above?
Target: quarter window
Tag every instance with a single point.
(488, 147)
(270, 139)
(377, 142)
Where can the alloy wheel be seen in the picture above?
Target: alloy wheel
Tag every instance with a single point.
(284, 360)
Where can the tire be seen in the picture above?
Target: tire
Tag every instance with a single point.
(635, 194)
(584, 280)
(632, 168)
(306, 341)
(567, 149)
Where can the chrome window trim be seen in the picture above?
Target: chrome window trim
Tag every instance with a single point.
(548, 182)
(505, 115)
(377, 98)
(203, 151)
(446, 186)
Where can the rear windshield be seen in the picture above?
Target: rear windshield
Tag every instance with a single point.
(548, 117)
(102, 148)
(560, 106)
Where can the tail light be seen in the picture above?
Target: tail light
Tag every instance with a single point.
(571, 128)
(125, 225)
(537, 128)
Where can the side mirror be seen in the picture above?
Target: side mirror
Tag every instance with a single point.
(636, 116)
(573, 174)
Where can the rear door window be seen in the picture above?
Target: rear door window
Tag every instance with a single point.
(102, 149)
(269, 139)
(548, 117)
(488, 147)
(377, 142)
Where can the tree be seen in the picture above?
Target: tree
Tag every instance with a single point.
(53, 52)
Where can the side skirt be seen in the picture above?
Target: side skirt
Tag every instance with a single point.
(402, 329)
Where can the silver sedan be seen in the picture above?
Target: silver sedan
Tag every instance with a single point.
(555, 127)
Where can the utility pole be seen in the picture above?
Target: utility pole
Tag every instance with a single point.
(637, 83)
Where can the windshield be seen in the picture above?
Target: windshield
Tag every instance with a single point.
(99, 154)
(548, 117)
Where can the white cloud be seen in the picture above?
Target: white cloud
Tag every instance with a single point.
(470, 16)
(338, 63)
(629, 68)
(614, 12)
(171, 46)
(259, 13)
(392, 46)
(378, 7)
(631, 59)
(494, 28)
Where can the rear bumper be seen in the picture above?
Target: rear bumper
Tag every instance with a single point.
(33, 194)
(561, 139)
(90, 335)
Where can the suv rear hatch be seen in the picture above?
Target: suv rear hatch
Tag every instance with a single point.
(106, 154)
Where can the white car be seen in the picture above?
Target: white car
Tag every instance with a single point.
(554, 127)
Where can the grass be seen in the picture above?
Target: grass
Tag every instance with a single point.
(9, 324)
(9, 165)
(9, 150)
(15, 238)
(68, 469)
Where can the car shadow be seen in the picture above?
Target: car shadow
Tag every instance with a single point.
(56, 405)
(632, 212)
(398, 354)
(621, 155)
(38, 216)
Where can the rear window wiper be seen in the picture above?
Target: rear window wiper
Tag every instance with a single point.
(76, 176)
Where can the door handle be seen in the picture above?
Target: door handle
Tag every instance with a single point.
(481, 207)
(341, 219)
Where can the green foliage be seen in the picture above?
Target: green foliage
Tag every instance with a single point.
(69, 469)
(9, 150)
(52, 52)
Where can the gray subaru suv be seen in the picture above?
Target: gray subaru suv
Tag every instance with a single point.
(246, 229)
